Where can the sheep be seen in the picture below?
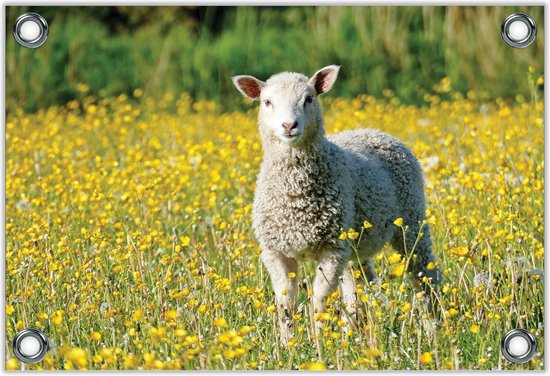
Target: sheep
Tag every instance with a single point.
(310, 187)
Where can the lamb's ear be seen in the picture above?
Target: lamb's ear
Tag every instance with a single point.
(249, 86)
(324, 78)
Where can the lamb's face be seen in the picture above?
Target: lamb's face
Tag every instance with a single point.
(289, 110)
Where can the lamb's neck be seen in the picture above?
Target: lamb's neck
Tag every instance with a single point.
(283, 156)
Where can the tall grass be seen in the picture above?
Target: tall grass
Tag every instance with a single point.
(405, 49)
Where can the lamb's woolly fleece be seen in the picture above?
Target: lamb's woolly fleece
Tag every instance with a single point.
(305, 196)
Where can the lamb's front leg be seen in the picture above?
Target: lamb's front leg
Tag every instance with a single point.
(332, 263)
(279, 267)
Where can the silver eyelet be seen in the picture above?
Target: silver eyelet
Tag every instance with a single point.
(519, 30)
(30, 30)
(518, 346)
(30, 345)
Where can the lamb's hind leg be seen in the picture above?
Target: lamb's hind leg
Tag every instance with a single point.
(419, 248)
(285, 288)
(367, 267)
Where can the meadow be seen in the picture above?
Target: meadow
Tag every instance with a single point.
(129, 236)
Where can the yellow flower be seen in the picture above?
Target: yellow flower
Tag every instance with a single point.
(394, 257)
(291, 275)
(451, 312)
(398, 270)
(367, 224)
(505, 299)
(372, 352)
(474, 328)
(460, 251)
(185, 240)
(180, 333)
(220, 322)
(170, 315)
(12, 364)
(324, 316)
(425, 359)
(131, 361)
(229, 354)
(352, 234)
(96, 336)
(57, 317)
(9, 310)
(398, 222)
(78, 357)
(343, 236)
(406, 307)
(245, 330)
(313, 366)
(156, 334)
(138, 315)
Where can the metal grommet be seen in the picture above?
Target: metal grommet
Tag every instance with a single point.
(519, 30)
(518, 346)
(30, 30)
(30, 345)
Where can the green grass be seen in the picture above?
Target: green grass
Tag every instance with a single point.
(114, 50)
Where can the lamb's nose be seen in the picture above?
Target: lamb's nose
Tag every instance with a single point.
(290, 126)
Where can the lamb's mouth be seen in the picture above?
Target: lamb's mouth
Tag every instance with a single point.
(291, 137)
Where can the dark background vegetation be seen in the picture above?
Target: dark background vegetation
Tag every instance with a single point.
(114, 50)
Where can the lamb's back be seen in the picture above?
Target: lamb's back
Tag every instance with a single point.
(388, 180)
(397, 159)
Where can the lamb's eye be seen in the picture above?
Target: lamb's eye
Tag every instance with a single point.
(268, 103)
(309, 99)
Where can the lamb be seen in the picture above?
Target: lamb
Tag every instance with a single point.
(311, 186)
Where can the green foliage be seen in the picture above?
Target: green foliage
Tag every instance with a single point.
(115, 50)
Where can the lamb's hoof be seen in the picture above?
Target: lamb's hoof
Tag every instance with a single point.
(375, 281)
(319, 329)
(285, 339)
(286, 332)
(350, 318)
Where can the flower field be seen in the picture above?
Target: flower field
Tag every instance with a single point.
(129, 238)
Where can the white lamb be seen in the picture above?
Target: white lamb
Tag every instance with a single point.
(311, 186)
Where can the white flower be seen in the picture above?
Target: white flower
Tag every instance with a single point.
(483, 279)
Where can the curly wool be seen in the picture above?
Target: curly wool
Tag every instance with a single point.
(304, 197)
